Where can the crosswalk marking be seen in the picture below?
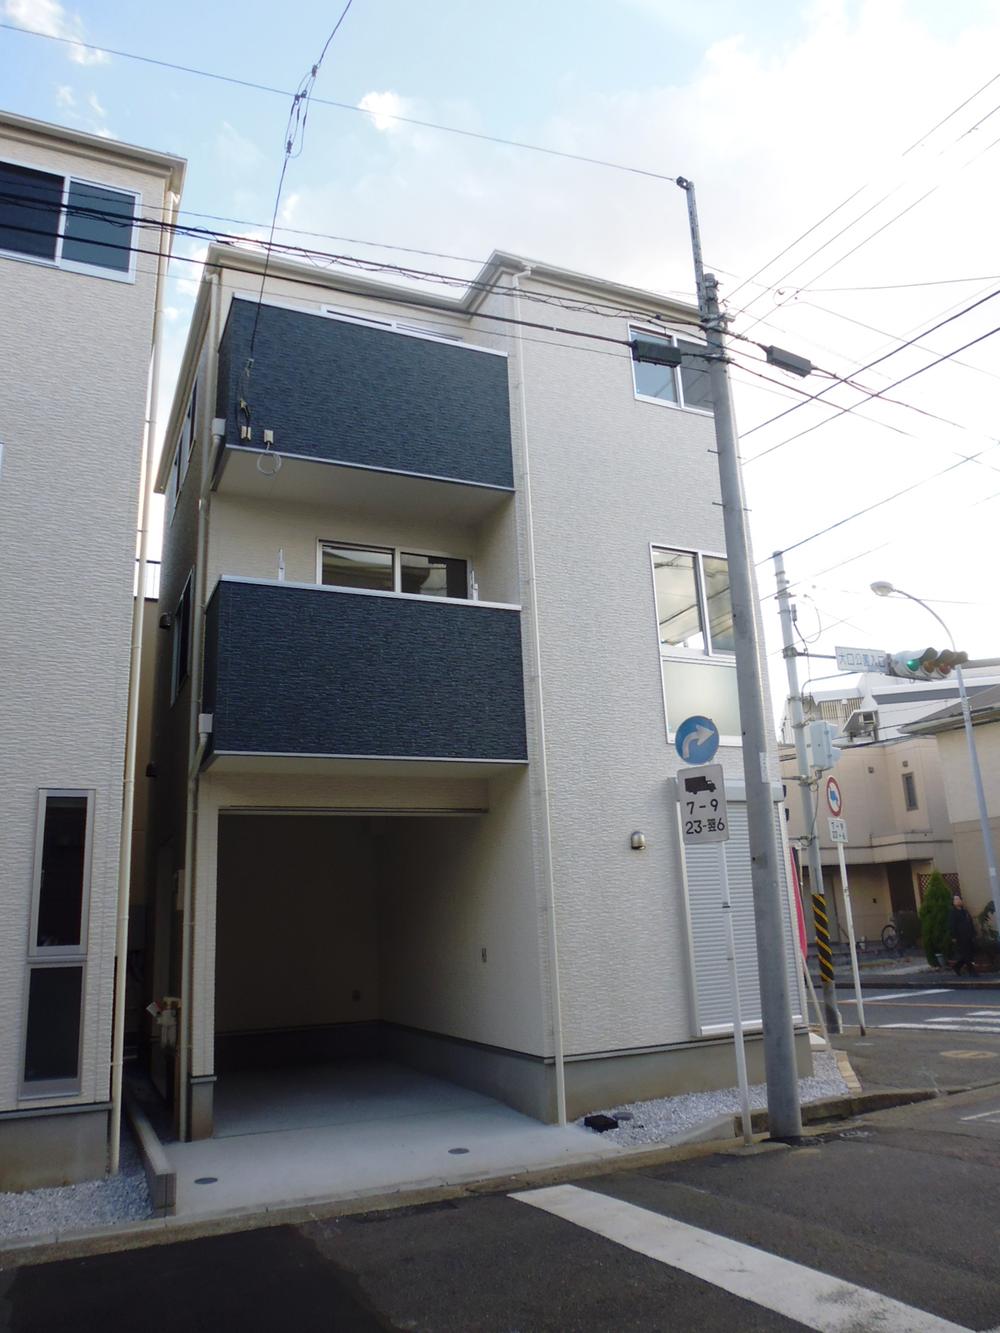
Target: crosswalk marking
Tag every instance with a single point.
(817, 1300)
(901, 995)
(947, 1025)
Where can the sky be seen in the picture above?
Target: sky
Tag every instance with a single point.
(862, 139)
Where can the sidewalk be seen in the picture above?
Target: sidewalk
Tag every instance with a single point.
(908, 973)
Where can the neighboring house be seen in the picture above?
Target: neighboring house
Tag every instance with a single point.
(454, 570)
(946, 728)
(894, 797)
(76, 337)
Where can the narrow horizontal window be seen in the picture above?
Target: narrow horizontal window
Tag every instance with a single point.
(98, 229)
(52, 1039)
(433, 575)
(359, 567)
(30, 207)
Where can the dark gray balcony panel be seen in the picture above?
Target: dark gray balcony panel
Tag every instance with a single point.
(295, 670)
(349, 393)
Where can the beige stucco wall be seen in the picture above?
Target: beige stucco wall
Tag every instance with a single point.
(75, 354)
(954, 752)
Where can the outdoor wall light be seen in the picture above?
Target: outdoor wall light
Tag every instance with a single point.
(637, 841)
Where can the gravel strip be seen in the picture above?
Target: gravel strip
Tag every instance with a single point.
(92, 1203)
(664, 1117)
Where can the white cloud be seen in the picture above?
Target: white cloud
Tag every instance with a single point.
(65, 95)
(290, 207)
(383, 107)
(50, 18)
(95, 105)
(236, 149)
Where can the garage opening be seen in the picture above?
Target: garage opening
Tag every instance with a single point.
(347, 947)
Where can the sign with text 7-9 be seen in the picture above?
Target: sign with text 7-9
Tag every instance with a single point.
(702, 794)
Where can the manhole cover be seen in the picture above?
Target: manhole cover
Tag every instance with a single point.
(206, 1180)
(970, 1055)
(457, 1152)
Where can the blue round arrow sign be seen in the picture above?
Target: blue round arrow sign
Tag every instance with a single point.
(696, 740)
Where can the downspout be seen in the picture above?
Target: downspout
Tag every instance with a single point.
(132, 711)
(198, 734)
(541, 765)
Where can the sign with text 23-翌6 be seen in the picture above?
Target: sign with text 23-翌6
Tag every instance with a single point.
(702, 794)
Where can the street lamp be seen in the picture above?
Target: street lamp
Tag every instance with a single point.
(883, 589)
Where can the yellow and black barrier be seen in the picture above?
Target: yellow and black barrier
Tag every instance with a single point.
(822, 937)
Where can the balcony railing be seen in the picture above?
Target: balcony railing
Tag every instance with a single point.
(295, 669)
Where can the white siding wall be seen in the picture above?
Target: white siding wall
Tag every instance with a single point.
(75, 354)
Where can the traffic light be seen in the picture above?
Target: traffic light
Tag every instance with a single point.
(926, 665)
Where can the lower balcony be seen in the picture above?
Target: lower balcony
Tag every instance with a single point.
(302, 677)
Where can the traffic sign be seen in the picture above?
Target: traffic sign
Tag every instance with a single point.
(861, 659)
(834, 798)
(838, 830)
(696, 740)
(704, 817)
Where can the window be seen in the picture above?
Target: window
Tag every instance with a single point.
(57, 945)
(180, 661)
(182, 454)
(910, 791)
(387, 569)
(695, 629)
(71, 223)
(684, 386)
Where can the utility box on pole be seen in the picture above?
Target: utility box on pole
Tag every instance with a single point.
(820, 748)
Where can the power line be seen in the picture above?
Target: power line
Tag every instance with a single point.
(851, 197)
(907, 286)
(343, 106)
(910, 342)
(877, 504)
(876, 394)
(295, 131)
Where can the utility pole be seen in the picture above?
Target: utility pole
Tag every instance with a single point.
(770, 905)
(804, 779)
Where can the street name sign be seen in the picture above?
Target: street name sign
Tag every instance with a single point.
(704, 818)
(861, 659)
(838, 830)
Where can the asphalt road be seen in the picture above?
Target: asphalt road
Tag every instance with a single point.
(937, 1009)
(888, 1223)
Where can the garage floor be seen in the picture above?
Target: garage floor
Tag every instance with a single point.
(356, 1127)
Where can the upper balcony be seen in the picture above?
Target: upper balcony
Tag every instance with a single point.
(308, 677)
(410, 414)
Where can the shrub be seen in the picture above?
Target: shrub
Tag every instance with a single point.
(934, 918)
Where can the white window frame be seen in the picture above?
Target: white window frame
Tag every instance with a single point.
(405, 327)
(72, 265)
(909, 786)
(667, 336)
(63, 955)
(397, 552)
(181, 456)
(709, 656)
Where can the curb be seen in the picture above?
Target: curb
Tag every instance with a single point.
(911, 983)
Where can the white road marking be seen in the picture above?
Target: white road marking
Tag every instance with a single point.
(817, 1300)
(900, 995)
(938, 1025)
(983, 1115)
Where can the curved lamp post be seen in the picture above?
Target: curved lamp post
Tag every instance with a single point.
(883, 589)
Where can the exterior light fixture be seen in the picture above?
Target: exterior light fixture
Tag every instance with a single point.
(637, 841)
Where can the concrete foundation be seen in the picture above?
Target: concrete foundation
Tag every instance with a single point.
(56, 1146)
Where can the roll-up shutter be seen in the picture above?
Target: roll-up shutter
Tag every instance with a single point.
(703, 873)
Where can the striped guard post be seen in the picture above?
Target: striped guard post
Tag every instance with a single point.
(822, 937)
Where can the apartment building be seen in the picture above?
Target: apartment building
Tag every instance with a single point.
(76, 345)
(438, 588)
(895, 795)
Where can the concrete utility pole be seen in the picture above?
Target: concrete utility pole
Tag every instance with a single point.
(770, 906)
(804, 780)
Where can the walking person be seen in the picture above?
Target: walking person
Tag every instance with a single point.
(963, 932)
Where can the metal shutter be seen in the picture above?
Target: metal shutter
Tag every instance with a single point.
(713, 1004)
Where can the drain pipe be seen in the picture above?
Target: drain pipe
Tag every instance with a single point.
(132, 711)
(541, 767)
(199, 726)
